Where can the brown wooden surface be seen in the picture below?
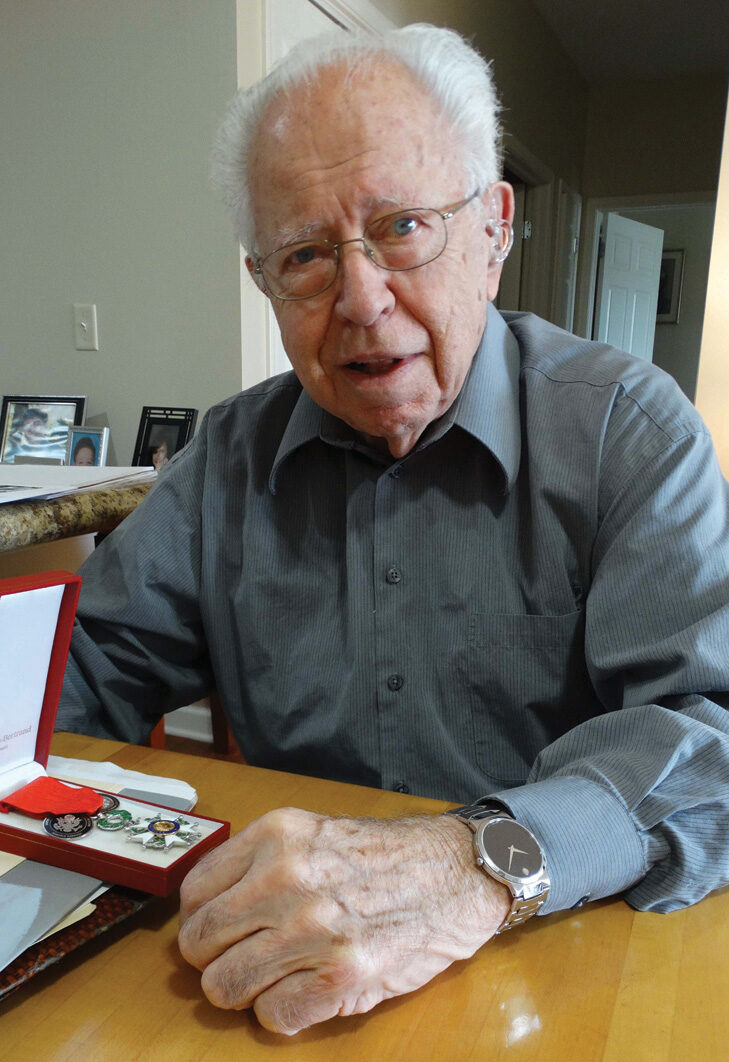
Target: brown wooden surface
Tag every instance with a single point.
(601, 984)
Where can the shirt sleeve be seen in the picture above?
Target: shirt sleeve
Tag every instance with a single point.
(636, 800)
(138, 648)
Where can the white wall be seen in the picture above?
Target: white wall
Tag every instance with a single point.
(687, 227)
(107, 113)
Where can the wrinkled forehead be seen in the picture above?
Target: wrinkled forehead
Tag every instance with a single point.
(374, 132)
(357, 87)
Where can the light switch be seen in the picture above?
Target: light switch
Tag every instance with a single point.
(85, 329)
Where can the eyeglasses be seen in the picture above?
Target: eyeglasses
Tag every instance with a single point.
(404, 240)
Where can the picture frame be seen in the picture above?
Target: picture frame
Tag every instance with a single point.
(36, 427)
(87, 446)
(670, 287)
(163, 431)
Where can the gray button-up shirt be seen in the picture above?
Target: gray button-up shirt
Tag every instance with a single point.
(533, 603)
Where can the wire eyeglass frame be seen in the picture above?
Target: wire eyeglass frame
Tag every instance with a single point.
(263, 280)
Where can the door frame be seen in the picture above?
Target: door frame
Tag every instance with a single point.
(592, 217)
(540, 208)
(562, 234)
(355, 14)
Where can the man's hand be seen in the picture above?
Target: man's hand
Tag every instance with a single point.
(304, 917)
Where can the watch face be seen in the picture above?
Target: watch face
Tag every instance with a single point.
(510, 849)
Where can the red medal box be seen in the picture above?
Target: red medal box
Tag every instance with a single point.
(144, 846)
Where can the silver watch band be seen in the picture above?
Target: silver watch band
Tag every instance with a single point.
(479, 811)
(526, 899)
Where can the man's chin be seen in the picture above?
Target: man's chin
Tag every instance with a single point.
(392, 436)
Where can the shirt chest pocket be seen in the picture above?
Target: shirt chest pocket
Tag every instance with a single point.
(528, 685)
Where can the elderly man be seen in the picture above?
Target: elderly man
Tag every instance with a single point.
(468, 555)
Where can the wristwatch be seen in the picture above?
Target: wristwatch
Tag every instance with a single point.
(511, 854)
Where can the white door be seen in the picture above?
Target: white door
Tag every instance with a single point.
(627, 288)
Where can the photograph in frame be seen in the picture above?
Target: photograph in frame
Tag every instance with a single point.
(163, 431)
(670, 286)
(36, 427)
(87, 446)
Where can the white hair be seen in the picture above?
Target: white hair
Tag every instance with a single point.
(453, 72)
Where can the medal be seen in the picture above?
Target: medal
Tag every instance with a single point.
(67, 827)
(114, 820)
(111, 803)
(162, 833)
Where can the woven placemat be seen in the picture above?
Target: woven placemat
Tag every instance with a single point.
(111, 908)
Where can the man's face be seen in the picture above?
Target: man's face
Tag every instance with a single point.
(387, 352)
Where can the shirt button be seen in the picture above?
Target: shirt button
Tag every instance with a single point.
(395, 683)
(395, 473)
(401, 787)
(394, 575)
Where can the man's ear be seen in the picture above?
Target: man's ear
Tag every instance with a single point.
(256, 277)
(498, 200)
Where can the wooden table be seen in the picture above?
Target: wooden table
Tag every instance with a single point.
(601, 984)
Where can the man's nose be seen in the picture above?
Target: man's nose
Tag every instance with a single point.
(363, 295)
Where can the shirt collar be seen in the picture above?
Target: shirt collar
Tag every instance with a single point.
(488, 405)
(487, 408)
(303, 426)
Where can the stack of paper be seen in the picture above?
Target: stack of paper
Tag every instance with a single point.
(25, 482)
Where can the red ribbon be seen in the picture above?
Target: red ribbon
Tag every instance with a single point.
(48, 796)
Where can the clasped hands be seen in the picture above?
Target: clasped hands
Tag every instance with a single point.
(304, 917)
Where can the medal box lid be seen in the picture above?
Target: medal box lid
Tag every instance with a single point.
(36, 621)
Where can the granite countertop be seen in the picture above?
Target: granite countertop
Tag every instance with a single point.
(84, 512)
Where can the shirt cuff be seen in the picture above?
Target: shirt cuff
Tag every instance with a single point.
(591, 846)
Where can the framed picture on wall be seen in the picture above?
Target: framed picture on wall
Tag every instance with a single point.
(670, 286)
(87, 446)
(163, 431)
(37, 426)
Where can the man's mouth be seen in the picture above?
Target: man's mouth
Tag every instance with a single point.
(376, 366)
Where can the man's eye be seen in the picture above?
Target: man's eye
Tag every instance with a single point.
(404, 225)
(300, 257)
(397, 228)
(303, 255)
